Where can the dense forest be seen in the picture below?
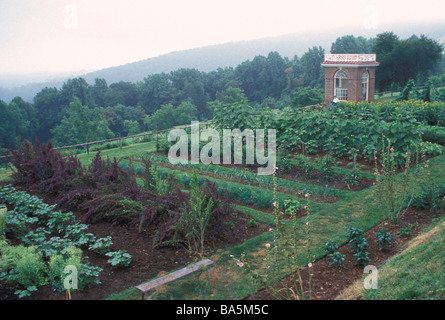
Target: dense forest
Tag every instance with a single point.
(79, 112)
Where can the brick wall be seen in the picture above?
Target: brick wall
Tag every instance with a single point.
(354, 83)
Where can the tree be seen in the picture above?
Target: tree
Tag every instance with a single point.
(312, 71)
(169, 116)
(115, 117)
(351, 44)
(28, 116)
(154, 91)
(263, 76)
(384, 44)
(122, 92)
(217, 81)
(48, 105)
(12, 126)
(80, 125)
(76, 88)
(231, 95)
(189, 86)
(98, 91)
(236, 115)
(402, 60)
(132, 127)
(307, 96)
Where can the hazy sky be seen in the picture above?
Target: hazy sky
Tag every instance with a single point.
(69, 35)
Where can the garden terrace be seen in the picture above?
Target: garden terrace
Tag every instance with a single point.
(254, 206)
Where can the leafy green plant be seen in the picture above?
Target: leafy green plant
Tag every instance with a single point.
(22, 267)
(384, 239)
(58, 220)
(405, 232)
(252, 223)
(283, 161)
(352, 179)
(196, 216)
(87, 275)
(429, 197)
(35, 238)
(292, 206)
(305, 165)
(25, 292)
(353, 232)
(55, 245)
(154, 182)
(331, 246)
(336, 259)
(18, 222)
(327, 170)
(361, 258)
(102, 245)
(358, 244)
(119, 258)
(76, 233)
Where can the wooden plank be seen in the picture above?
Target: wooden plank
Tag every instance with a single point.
(145, 287)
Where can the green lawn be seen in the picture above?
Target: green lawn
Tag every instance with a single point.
(135, 150)
(418, 273)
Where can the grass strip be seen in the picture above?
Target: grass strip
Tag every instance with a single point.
(228, 281)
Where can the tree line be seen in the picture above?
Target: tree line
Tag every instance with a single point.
(79, 112)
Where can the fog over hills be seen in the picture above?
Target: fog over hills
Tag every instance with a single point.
(205, 58)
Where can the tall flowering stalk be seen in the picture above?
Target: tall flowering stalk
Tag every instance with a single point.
(281, 274)
(310, 255)
(394, 193)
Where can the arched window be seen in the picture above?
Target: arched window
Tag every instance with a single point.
(365, 85)
(341, 85)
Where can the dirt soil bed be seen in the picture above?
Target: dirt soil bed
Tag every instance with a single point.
(336, 183)
(147, 262)
(328, 283)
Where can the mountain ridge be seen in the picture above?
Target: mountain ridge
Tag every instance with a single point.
(231, 54)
